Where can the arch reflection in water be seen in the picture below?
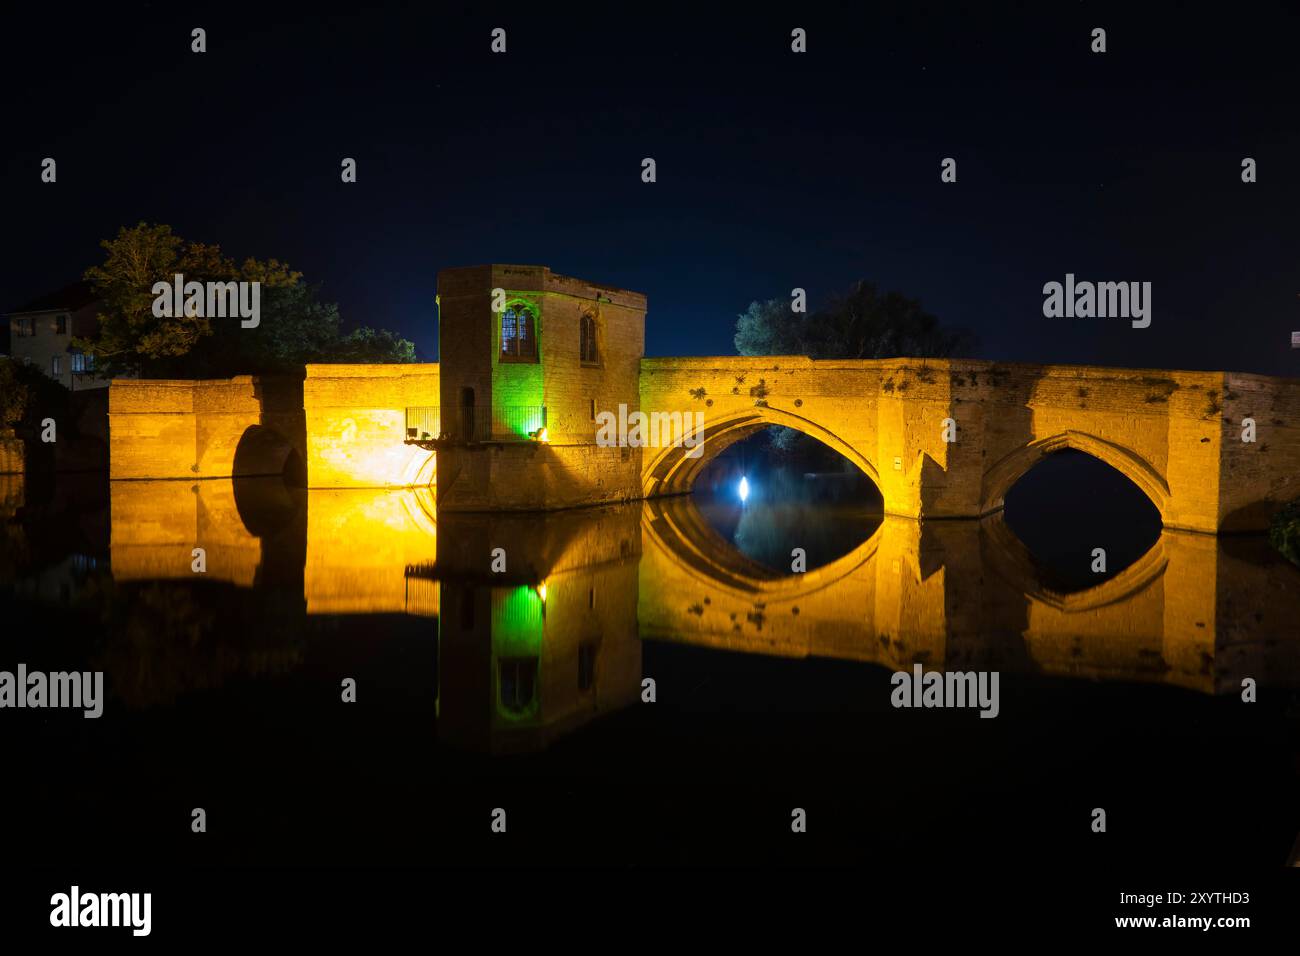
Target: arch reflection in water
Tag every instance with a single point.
(969, 595)
(825, 515)
(556, 640)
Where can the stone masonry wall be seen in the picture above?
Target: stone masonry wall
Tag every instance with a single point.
(178, 429)
(356, 425)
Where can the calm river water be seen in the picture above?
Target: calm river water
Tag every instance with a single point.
(526, 689)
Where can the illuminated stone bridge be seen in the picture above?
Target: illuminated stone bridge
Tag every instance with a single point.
(944, 439)
(940, 438)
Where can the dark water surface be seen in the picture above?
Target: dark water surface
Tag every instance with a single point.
(523, 690)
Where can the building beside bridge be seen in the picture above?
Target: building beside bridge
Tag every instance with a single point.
(40, 333)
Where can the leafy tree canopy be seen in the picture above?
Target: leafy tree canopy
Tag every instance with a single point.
(861, 323)
(27, 395)
(14, 394)
(373, 345)
(1284, 532)
(295, 326)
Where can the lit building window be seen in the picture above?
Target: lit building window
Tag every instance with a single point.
(518, 334)
(56, 366)
(61, 325)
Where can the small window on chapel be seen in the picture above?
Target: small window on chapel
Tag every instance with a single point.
(518, 334)
(590, 352)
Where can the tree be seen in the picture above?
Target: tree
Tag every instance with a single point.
(130, 336)
(28, 395)
(13, 394)
(858, 324)
(770, 328)
(864, 324)
(371, 345)
(1284, 531)
(295, 326)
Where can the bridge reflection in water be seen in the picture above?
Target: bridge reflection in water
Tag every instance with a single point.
(555, 640)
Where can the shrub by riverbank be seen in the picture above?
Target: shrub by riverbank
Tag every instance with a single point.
(1284, 532)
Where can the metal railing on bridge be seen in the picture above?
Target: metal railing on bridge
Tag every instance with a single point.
(423, 424)
(475, 423)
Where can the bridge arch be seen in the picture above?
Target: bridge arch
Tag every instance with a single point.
(1014, 563)
(264, 451)
(671, 471)
(1001, 476)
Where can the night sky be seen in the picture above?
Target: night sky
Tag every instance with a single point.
(775, 170)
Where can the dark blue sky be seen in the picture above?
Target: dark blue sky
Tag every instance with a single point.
(775, 170)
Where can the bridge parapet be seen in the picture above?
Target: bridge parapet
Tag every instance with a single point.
(220, 428)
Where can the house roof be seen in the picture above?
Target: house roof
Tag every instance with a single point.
(68, 299)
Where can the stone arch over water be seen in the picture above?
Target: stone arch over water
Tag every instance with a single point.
(1000, 478)
(671, 470)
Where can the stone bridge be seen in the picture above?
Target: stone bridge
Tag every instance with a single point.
(941, 439)
(334, 426)
(948, 438)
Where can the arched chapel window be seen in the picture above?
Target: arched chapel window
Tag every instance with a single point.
(518, 334)
(590, 352)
